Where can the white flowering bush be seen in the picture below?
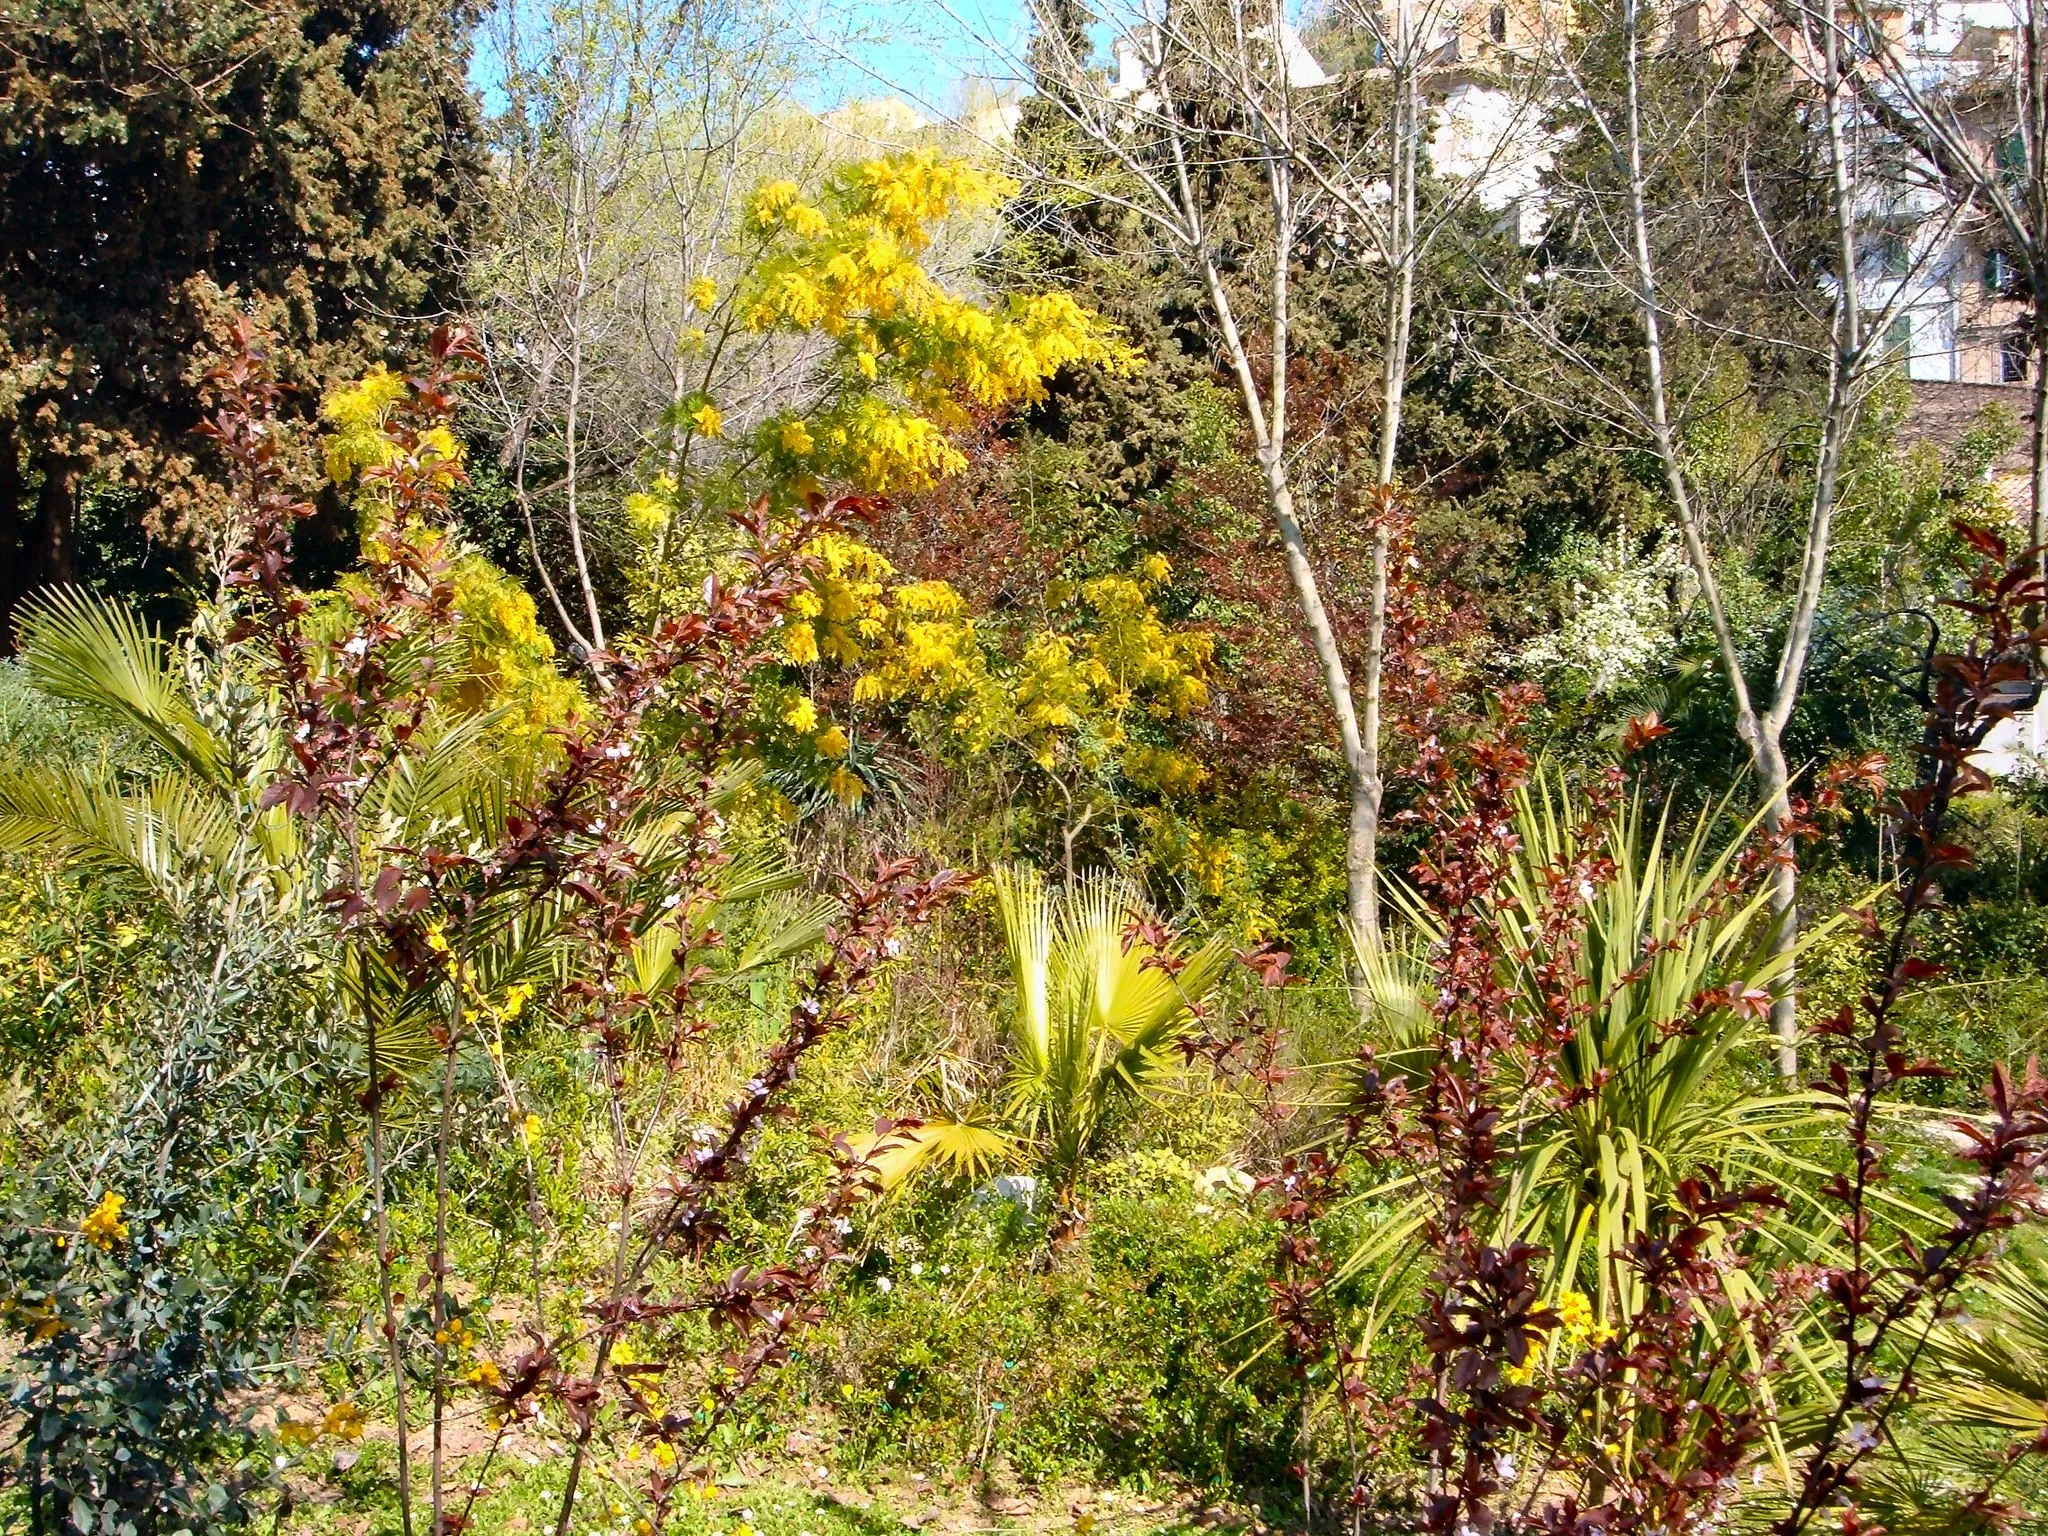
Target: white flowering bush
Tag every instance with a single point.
(1620, 622)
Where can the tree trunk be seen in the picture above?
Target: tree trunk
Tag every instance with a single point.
(1775, 780)
(1368, 784)
(43, 556)
(1361, 847)
(2037, 428)
(12, 489)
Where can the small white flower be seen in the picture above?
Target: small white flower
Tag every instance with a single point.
(885, 1285)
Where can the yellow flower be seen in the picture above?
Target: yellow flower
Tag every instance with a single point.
(832, 742)
(796, 438)
(530, 1129)
(846, 787)
(484, 1374)
(664, 1454)
(344, 1421)
(707, 421)
(866, 362)
(704, 292)
(104, 1227)
(800, 642)
(801, 715)
(296, 1433)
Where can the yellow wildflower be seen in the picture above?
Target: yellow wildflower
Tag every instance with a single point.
(802, 715)
(344, 1421)
(707, 421)
(796, 438)
(832, 742)
(104, 1227)
(297, 1433)
(800, 643)
(846, 787)
(704, 292)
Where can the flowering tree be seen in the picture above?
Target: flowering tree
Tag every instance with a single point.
(596, 892)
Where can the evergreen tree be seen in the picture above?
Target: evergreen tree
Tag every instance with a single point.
(168, 164)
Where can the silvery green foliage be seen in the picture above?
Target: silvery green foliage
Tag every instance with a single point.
(1621, 621)
(127, 1356)
(125, 1359)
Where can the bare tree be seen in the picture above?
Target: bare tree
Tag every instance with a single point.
(1841, 325)
(1208, 98)
(630, 135)
(1978, 129)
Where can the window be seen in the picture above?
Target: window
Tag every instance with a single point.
(2012, 358)
(1997, 274)
(1888, 256)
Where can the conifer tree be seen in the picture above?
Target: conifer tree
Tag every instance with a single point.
(168, 164)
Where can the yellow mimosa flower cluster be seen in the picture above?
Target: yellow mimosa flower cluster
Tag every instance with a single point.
(912, 356)
(1070, 691)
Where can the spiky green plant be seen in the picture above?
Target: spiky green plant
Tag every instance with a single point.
(1096, 1011)
(1671, 966)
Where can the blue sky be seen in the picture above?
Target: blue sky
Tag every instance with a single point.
(924, 51)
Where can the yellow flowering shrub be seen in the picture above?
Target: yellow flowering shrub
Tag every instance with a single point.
(910, 357)
(504, 658)
(103, 1226)
(356, 416)
(1065, 694)
(507, 659)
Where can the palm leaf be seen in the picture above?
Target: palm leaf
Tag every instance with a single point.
(95, 653)
(959, 1149)
(162, 833)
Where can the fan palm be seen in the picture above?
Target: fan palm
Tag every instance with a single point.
(1096, 1011)
(194, 825)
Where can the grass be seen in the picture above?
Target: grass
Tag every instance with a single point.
(520, 1499)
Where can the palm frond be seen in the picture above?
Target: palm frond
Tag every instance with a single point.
(165, 833)
(1096, 1013)
(95, 653)
(1989, 1369)
(436, 783)
(957, 1149)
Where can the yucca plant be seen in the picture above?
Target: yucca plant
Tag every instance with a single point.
(1672, 969)
(1100, 999)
